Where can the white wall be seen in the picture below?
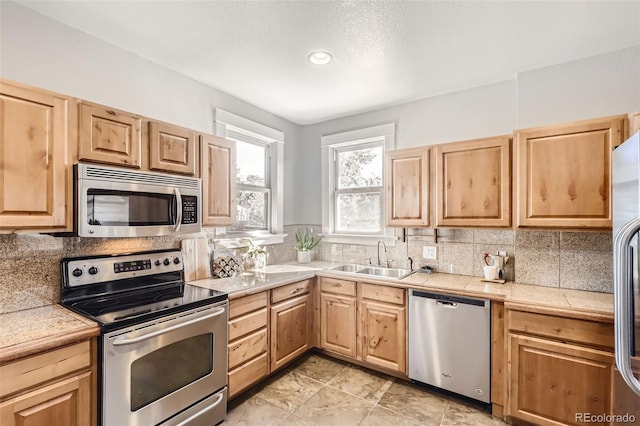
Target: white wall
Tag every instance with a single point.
(598, 86)
(41, 52)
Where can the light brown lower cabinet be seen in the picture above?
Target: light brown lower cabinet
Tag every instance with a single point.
(248, 342)
(338, 316)
(56, 388)
(290, 323)
(561, 369)
(383, 318)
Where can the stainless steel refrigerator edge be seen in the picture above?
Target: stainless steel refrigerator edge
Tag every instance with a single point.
(626, 223)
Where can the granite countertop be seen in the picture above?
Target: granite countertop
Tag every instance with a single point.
(35, 330)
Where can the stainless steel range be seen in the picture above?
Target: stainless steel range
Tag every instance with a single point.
(163, 348)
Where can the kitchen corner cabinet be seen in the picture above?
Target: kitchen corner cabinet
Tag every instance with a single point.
(563, 173)
(110, 136)
(248, 341)
(37, 133)
(338, 316)
(558, 367)
(218, 171)
(172, 149)
(290, 322)
(383, 317)
(634, 123)
(473, 183)
(55, 388)
(407, 187)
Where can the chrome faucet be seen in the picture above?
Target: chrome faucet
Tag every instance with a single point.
(385, 250)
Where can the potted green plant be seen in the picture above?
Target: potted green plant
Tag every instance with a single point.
(305, 242)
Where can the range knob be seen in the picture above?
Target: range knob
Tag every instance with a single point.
(176, 260)
(166, 262)
(77, 272)
(158, 262)
(93, 270)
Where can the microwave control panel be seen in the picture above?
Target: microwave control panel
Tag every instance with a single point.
(189, 210)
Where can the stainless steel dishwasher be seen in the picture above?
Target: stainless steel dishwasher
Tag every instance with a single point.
(450, 343)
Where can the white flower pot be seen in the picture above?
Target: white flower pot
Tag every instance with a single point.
(304, 256)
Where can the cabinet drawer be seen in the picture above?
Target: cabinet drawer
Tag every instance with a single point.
(246, 304)
(245, 324)
(290, 290)
(248, 347)
(565, 329)
(383, 293)
(331, 285)
(39, 369)
(248, 374)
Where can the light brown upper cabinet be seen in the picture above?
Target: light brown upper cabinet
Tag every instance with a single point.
(634, 123)
(110, 136)
(473, 183)
(36, 134)
(172, 149)
(407, 187)
(563, 173)
(218, 171)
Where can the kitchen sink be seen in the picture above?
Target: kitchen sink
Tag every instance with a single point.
(377, 271)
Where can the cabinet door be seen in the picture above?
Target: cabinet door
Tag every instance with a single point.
(65, 403)
(110, 136)
(553, 382)
(290, 330)
(473, 183)
(218, 172)
(384, 338)
(407, 187)
(338, 323)
(34, 159)
(564, 173)
(172, 149)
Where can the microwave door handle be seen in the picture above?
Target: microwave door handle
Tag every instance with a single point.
(623, 294)
(178, 210)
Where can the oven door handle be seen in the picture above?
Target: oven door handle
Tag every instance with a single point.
(122, 342)
(201, 412)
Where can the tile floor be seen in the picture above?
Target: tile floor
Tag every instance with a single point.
(318, 390)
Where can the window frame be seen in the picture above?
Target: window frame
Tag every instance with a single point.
(330, 144)
(234, 127)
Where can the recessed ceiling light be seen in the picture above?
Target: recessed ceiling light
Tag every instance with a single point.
(320, 57)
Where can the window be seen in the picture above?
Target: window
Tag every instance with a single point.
(353, 184)
(259, 182)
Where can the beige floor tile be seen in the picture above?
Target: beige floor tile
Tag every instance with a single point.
(330, 407)
(414, 402)
(319, 367)
(365, 384)
(461, 414)
(254, 411)
(289, 391)
(293, 420)
(382, 417)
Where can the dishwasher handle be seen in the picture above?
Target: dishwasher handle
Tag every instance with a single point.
(445, 298)
(447, 304)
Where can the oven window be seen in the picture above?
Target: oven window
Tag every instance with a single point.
(126, 208)
(170, 368)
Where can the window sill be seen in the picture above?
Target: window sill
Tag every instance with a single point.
(365, 240)
(260, 240)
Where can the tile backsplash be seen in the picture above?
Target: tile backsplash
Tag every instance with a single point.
(30, 263)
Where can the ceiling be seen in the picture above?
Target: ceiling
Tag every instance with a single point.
(385, 52)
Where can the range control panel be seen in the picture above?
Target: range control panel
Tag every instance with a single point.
(98, 269)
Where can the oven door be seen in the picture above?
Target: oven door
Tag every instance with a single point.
(155, 370)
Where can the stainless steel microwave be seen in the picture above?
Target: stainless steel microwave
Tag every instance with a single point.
(116, 202)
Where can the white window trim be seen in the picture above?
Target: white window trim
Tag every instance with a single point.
(329, 143)
(227, 122)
